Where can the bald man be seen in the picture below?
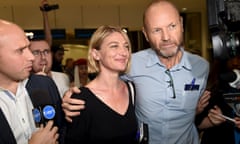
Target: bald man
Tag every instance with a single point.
(169, 81)
(15, 105)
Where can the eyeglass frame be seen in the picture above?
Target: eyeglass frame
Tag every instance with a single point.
(38, 53)
(171, 83)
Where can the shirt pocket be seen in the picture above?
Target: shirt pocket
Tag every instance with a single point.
(190, 99)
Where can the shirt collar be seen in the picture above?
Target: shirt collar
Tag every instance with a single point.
(21, 84)
(184, 62)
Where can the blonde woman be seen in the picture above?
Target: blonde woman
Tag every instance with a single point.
(108, 116)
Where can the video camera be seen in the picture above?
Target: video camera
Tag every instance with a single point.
(224, 27)
(47, 7)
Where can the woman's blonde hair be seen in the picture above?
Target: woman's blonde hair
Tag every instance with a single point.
(96, 41)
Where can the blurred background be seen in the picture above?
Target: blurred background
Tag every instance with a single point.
(75, 20)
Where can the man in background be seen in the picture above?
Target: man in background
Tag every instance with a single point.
(57, 57)
(41, 49)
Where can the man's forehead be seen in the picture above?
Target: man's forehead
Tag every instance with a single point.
(39, 45)
(16, 38)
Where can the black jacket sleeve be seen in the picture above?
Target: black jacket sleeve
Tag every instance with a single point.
(46, 84)
(6, 135)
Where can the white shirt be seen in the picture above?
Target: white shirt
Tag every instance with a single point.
(62, 82)
(18, 112)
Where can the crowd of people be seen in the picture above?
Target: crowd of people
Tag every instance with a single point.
(177, 95)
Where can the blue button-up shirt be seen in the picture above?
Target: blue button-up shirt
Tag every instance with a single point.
(170, 120)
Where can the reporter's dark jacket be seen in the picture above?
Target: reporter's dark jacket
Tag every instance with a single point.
(36, 83)
(6, 135)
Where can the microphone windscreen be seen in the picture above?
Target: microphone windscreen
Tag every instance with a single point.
(228, 77)
(40, 97)
(43, 110)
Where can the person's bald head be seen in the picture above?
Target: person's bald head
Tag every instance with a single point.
(163, 29)
(15, 57)
(159, 7)
(9, 29)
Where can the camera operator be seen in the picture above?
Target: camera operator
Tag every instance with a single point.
(224, 131)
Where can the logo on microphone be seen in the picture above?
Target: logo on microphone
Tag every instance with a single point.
(42, 114)
(37, 115)
(49, 112)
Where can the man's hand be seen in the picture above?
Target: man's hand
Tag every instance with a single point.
(215, 117)
(43, 2)
(237, 122)
(71, 106)
(45, 135)
(203, 101)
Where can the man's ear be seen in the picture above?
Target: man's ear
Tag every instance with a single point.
(145, 34)
(181, 22)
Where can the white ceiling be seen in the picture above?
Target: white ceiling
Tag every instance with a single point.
(192, 5)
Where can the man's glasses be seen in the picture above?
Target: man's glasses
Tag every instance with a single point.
(171, 84)
(38, 52)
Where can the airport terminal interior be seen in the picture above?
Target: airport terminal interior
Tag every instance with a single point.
(74, 21)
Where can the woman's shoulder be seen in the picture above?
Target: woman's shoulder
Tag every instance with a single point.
(84, 94)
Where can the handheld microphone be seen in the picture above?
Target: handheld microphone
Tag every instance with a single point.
(43, 110)
(233, 78)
